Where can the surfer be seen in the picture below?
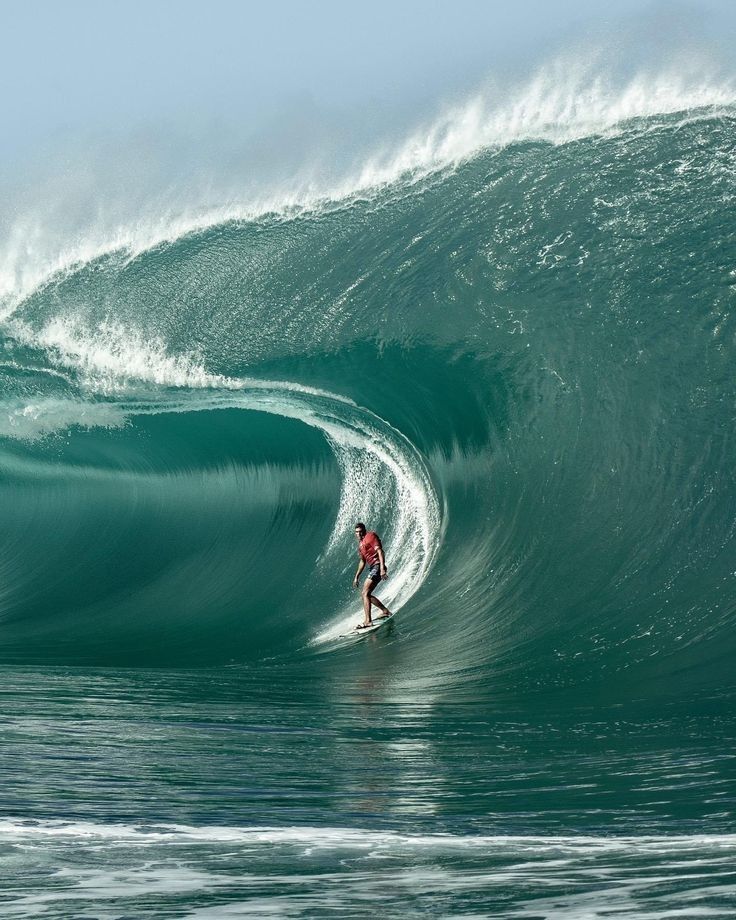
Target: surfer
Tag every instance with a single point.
(371, 554)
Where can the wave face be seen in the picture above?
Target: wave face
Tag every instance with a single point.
(517, 369)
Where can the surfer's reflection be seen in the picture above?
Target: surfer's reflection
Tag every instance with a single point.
(384, 734)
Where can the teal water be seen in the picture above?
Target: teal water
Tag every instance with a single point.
(518, 369)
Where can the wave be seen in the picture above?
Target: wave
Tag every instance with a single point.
(512, 358)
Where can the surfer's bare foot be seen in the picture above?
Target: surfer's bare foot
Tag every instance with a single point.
(383, 616)
(364, 625)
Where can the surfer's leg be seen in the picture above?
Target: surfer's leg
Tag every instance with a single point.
(369, 585)
(385, 612)
(367, 602)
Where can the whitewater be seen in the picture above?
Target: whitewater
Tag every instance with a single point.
(506, 342)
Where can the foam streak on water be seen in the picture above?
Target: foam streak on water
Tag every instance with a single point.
(292, 871)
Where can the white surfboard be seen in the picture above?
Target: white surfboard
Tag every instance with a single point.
(367, 630)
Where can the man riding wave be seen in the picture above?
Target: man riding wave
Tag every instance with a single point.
(371, 554)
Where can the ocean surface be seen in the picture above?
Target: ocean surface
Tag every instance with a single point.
(510, 350)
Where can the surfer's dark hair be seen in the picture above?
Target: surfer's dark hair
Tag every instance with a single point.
(359, 525)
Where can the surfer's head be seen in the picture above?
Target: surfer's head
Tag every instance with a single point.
(360, 530)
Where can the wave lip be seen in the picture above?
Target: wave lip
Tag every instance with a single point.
(567, 99)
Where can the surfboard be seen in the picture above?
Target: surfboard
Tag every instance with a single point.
(377, 624)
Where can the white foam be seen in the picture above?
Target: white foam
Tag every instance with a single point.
(359, 838)
(37, 418)
(110, 358)
(385, 467)
(210, 872)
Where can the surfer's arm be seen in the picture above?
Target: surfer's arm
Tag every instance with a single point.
(361, 566)
(382, 560)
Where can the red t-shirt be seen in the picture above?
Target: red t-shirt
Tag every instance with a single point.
(368, 548)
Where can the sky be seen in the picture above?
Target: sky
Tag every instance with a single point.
(74, 66)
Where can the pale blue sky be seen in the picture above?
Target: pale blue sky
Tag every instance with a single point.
(87, 65)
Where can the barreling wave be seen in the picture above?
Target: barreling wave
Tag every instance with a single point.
(381, 473)
(506, 345)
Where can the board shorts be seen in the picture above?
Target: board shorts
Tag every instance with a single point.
(374, 573)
